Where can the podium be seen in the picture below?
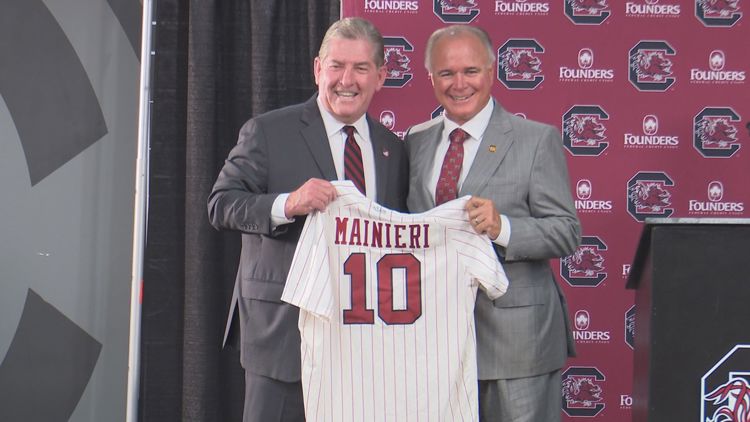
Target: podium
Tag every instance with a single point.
(692, 318)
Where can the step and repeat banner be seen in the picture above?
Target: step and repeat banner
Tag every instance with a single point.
(652, 100)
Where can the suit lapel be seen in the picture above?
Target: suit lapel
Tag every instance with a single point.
(496, 141)
(314, 133)
(423, 164)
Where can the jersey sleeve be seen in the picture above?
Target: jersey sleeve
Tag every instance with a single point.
(482, 265)
(476, 251)
(308, 284)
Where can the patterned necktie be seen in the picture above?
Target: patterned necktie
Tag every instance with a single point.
(353, 169)
(447, 186)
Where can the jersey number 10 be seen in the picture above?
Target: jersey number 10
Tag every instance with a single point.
(356, 268)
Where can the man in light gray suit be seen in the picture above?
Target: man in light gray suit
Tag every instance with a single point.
(279, 172)
(515, 171)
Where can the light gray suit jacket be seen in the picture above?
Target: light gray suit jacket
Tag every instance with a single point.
(276, 153)
(520, 166)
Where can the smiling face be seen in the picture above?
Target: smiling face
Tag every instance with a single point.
(347, 78)
(461, 75)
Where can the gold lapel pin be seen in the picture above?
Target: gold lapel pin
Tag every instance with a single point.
(493, 148)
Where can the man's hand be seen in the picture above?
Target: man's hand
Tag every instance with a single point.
(315, 194)
(484, 217)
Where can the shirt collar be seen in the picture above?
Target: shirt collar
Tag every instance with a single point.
(332, 125)
(476, 126)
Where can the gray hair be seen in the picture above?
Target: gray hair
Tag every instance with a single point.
(457, 30)
(355, 29)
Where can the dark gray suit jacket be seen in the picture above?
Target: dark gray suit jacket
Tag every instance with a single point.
(276, 153)
(520, 166)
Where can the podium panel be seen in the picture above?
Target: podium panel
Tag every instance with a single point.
(692, 323)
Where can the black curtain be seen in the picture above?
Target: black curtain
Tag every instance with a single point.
(216, 63)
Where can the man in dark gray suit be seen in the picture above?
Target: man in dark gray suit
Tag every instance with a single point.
(516, 171)
(279, 172)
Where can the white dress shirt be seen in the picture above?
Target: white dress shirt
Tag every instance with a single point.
(475, 128)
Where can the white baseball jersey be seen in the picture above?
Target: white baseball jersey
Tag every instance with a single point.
(386, 311)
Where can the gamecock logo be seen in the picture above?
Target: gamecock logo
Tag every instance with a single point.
(519, 66)
(726, 388)
(714, 134)
(717, 132)
(718, 12)
(582, 392)
(396, 63)
(651, 196)
(583, 130)
(648, 195)
(650, 66)
(733, 399)
(587, 12)
(585, 267)
(455, 11)
(585, 262)
(398, 71)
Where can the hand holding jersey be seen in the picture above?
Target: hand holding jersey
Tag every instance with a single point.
(484, 217)
(314, 195)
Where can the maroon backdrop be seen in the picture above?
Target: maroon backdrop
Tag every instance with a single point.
(651, 98)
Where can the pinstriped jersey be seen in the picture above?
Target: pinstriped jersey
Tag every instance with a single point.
(386, 310)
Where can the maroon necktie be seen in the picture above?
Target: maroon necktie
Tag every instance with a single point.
(353, 169)
(447, 185)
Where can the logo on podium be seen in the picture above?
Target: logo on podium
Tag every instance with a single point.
(725, 388)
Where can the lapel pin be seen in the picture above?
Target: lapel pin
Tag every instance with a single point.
(493, 148)
(386, 153)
